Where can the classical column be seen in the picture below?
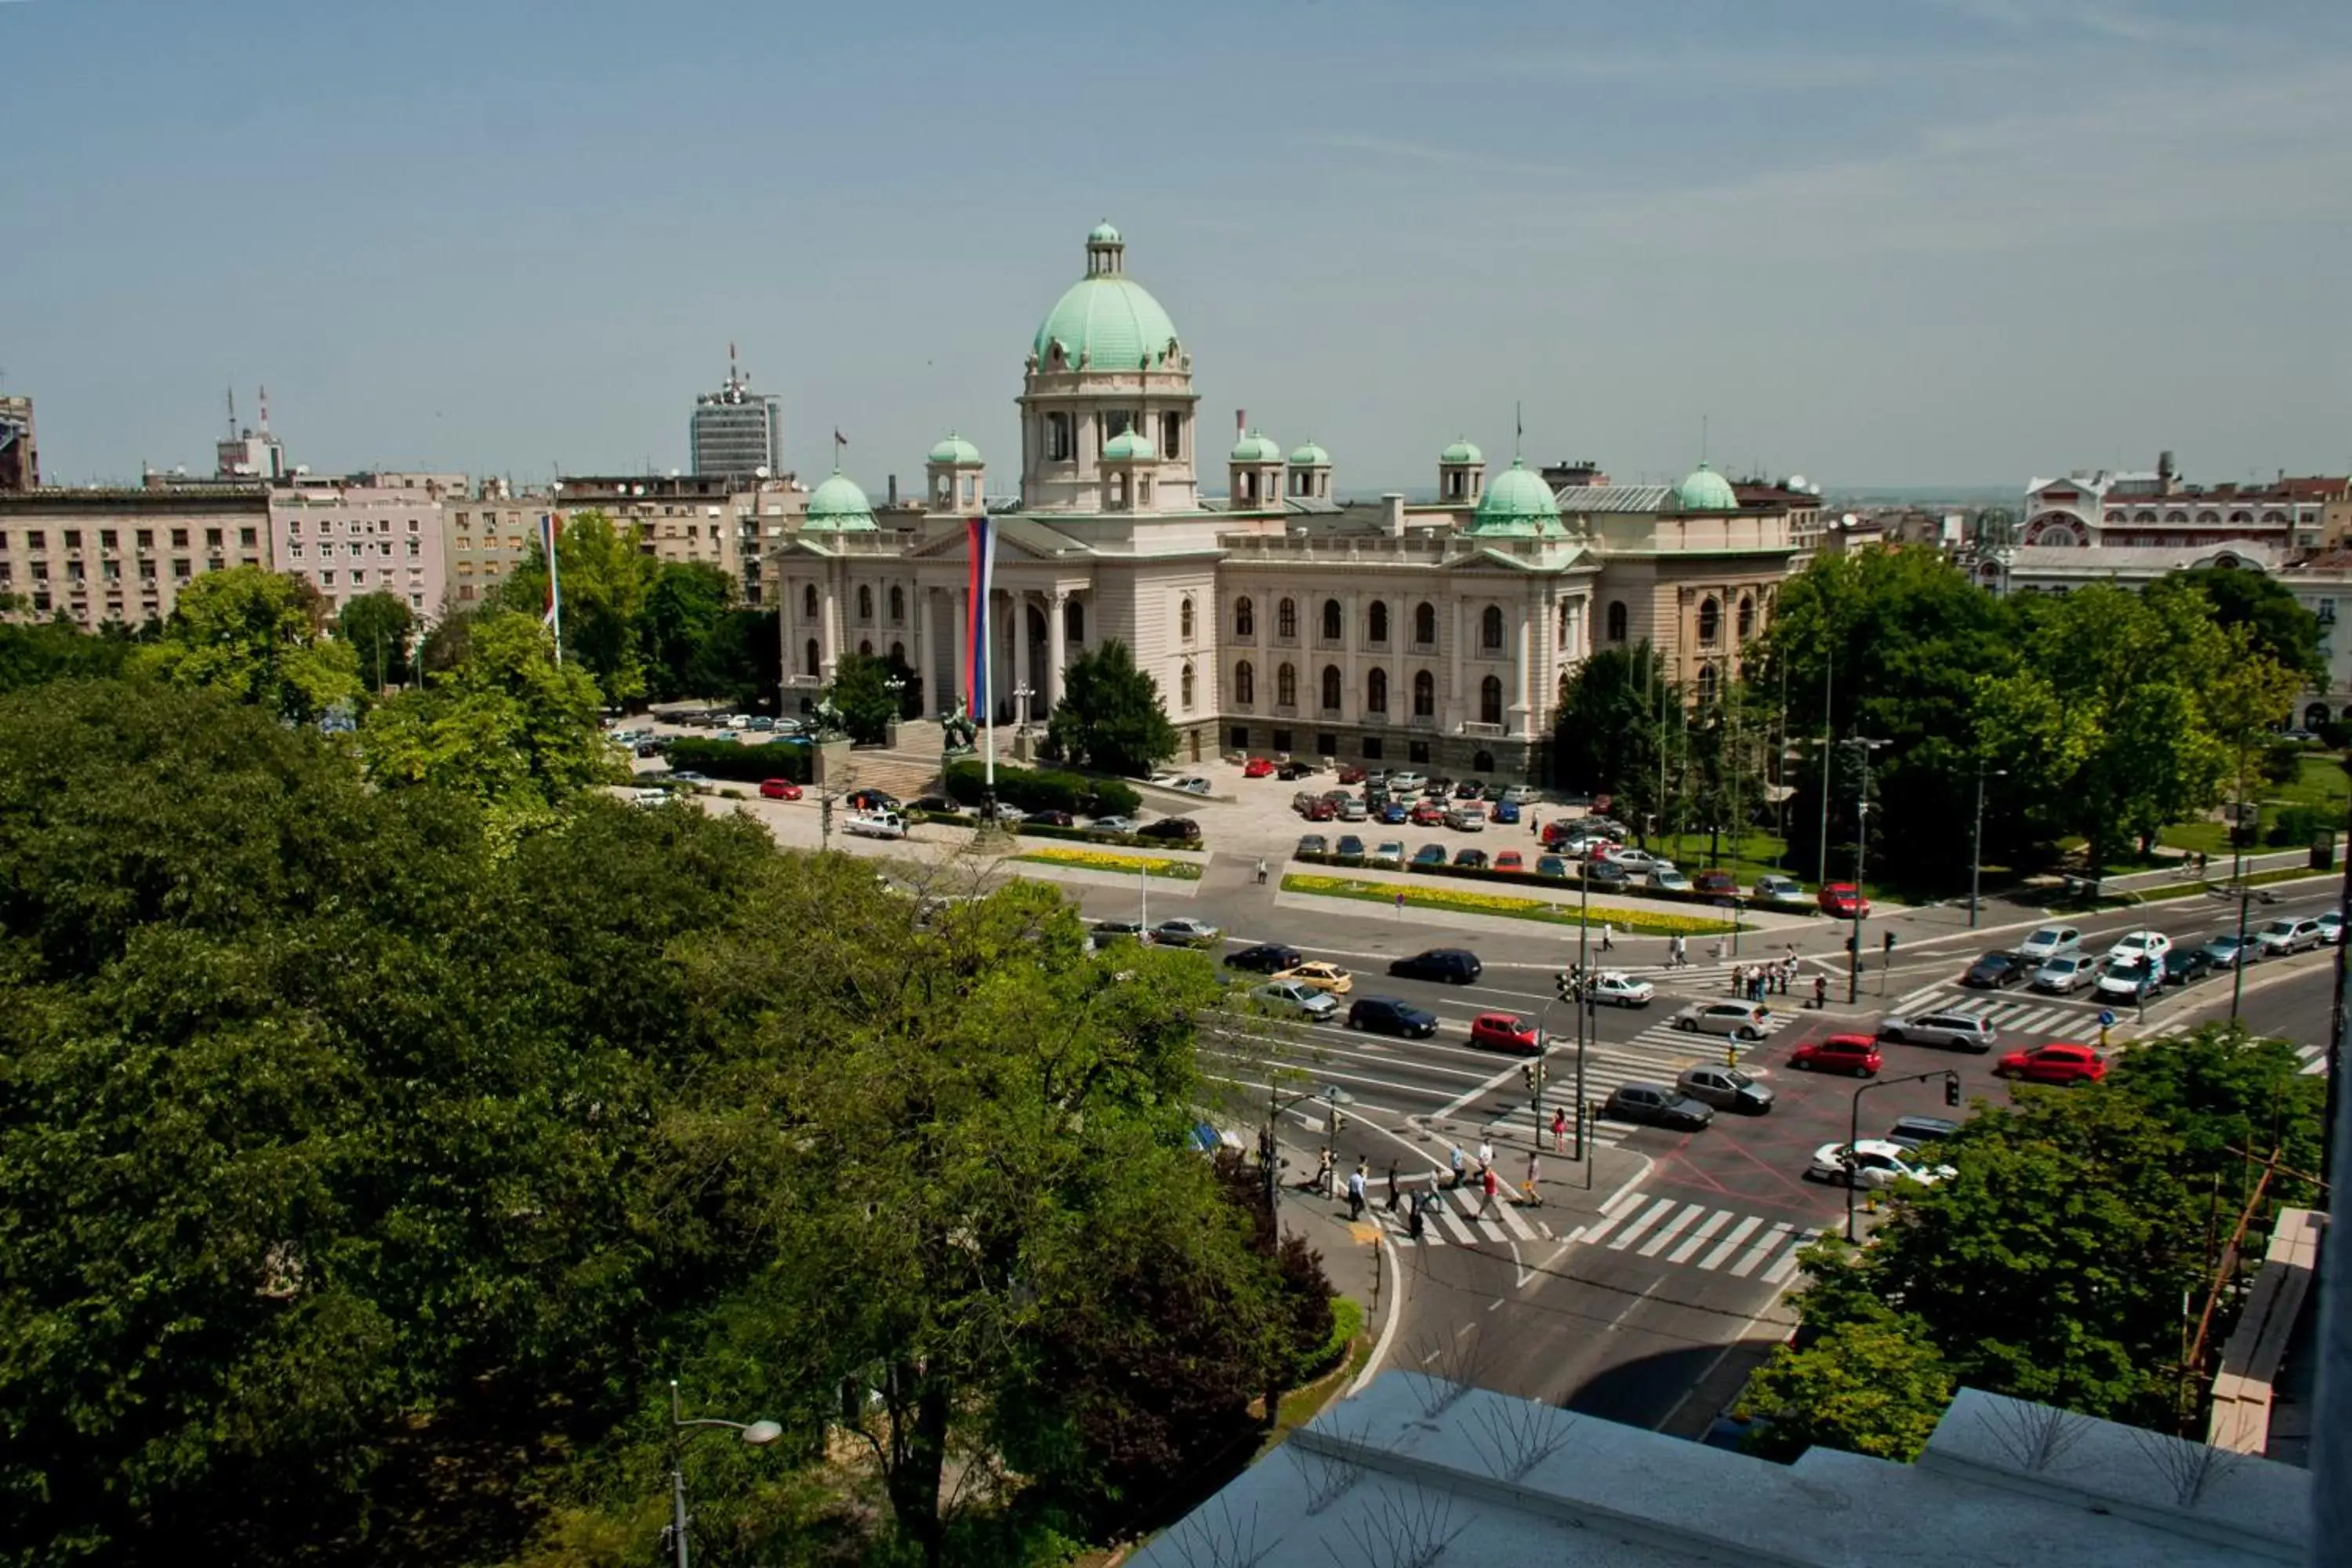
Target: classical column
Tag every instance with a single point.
(1524, 658)
(963, 648)
(829, 644)
(927, 653)
(1058, 646)
(1453, 712)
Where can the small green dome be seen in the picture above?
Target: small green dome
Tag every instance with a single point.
(1310, 456)
(1516, 504)
(1103, 234)
(955, 449)
(1706, 490)
(1462, 451)
(838, 504)
(1127, 447)
(1255, 448)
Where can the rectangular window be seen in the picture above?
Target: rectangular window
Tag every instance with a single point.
(411, 525)
(112, 571)
(73, 538)
(1239, 742)
(40, 571)
(109, 540)
(465, 542)
(1417, 750)
(180, 573)
(464, 591)
(34, 540)
(1371, 748)
(1282, 740)
(146, 538)
(1171, 435)
(514, 542)
(7, 571)
(212, 538)
(415, 549)
(73, 571)
(246, 539)
(146, 571)
(293, 549)
(326, 579)
(179, 539)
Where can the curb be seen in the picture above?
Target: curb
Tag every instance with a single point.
(1394, 1316)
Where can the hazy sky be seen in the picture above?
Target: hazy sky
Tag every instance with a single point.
(1874, 241)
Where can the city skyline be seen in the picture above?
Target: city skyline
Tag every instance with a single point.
(2071, 236)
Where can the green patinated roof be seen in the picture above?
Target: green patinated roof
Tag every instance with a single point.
(1706, 490)
(955, 449)
(1108, 319)
(1310, 456)
(1517, 504)
(1103, 234)
(1462, 451)
(1255, 448)
(1127, 447)
(839, 504)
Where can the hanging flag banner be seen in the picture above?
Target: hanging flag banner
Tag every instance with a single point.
(980, 539)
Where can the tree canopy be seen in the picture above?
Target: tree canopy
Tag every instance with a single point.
(253, 636)
(605, 578)
(1110, 717)
(378, 628)
(862, 693)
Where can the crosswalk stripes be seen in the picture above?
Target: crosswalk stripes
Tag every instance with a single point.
(1454, 1217)
(2314, 1060)
(2023, 1016)
(1714, 1241)
(1663, 1037)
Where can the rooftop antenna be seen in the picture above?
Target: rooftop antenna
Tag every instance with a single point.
(1702, 437)
(265, 411)
(232, 413)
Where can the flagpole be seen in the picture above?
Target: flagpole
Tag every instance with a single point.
(554, 589)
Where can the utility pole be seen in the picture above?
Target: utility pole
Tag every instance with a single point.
(1860, 852)
(1975, 844)
(1821, 872)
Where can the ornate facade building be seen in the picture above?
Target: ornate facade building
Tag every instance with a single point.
(1275, 618)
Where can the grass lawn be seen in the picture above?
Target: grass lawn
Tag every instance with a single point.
(2320, 784)
(1748, 859)
(1461, 899)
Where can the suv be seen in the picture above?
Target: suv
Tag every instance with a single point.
(1390, 1015)
(1913, 1130)
(1182, 828)
(2282, 937)
(1856, 1053)
(1454, 965)
(1742, 1020)
(1954, 1031)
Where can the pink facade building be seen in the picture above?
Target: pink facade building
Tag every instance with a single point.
(366, 533)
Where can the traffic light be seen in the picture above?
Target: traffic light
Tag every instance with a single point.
(1951, 1089)
(1889, 940)
(1565, 986)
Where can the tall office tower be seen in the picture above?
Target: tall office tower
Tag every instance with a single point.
(735, 431)
(20, 459)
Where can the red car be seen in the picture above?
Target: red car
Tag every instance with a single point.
(1351, 774)
(1856, 1053)
(1844, 900)
(1322, 810)
(780, 789)
(1257, 768)
(1509, 860)
(1425, 813)
(1506, 1032)
(2061, 1061)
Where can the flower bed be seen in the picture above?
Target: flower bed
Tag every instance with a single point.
(1634, 922)
(1126, 865)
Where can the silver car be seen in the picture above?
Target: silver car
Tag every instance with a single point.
(2049, 942)
(1954, 1031)
(2067, 972)
(1295, 1000)
(1740, 1020)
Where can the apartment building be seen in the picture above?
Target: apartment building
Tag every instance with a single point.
(111, 554)
(487, 535)
(366, 533)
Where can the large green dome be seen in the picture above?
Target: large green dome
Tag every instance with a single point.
(839, 504)
(1706, 490)
(1106, 320)
(1517, 504)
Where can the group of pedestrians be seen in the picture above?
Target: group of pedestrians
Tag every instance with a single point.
(1754, 982)
(1480, 1175)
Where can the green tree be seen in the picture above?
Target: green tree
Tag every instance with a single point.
(34, 653)
(1110, 717)
(2220, 1089)
(444, 647)
(2277, 625)
(1876, 1385)
(605, 577)
(1607, 737)
(377, 627)
(254, 635)
(684, 611)
(861, 691)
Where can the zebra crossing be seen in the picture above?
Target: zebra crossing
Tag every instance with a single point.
(2021, 1016)
(1693, 1236)
(1663, 1039)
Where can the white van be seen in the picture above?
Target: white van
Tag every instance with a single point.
(652, 799)
(875, 824)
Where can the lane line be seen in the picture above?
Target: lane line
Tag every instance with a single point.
(1697, 1238)
(1730, 1244)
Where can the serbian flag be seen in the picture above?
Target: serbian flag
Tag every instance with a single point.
(552, 615)
(980, 547)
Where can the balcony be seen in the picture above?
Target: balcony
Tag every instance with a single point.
(1484, 731)
(1420, 721)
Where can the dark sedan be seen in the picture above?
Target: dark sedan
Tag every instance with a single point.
(1267, 958)
(1998, 971)
(1047, 818)
(2186, 965)
(1181, 828)
(1655, 1105)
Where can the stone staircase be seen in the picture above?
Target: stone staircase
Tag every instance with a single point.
(901, 774)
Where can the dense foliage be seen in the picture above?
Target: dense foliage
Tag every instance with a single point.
(742, 762)
(869, 692)
(1042, 789)
(1110, 717)
(378, 627)
(254, 635)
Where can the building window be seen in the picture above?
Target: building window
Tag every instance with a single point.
(1616, 620)
(179, 539)
(1171, 435)
(415, 549)
(326, 579)
(1074, 622)
(1184, 619)
(1330, 688)
(1326, 745)
(808, 653)
(1416, 751)
(864, 603)
(145, 538)
(1710, 620)
(146, 571)
(1185, 683)
(1424, 694)
(1371, 748)
(73, 538)
(1376, 621)
(1244, 683)
(1057, 437)
(1239, 738)
(1707, 684)
(1424, 624)
(1482, 762)
(1490, 629)
(1279, 740)
(898, 606)
(1490, 701)
(107, 539)
(1285, 620)
(864, 647)
(897, 653)
(808, 603)
(1286, 687)
(1334, 621)
(1244, 619)
(1376, 691)
(1747, 617)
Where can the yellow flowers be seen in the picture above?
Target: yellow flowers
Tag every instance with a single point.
(1103, 860)
(1639, 922)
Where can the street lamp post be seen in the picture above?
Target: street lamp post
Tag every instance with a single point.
(758, 1433)
(1854, 1126)
(1975, 843)
(1021, 695)
(1860, 849)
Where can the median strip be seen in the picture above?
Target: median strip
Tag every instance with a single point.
(1633, 922)
(1102, 860)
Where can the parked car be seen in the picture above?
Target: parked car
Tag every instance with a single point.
(2140, 944)
(1267, 958)
(1106, 932)
(2048, 943)
(1911, 1131)
(1441, 786)
(1607, 874)
(1186, 932)
(1522, 794)
(1430, 855)
(1551, 868)
(1406, 783)
(1290, 998)
(1997, 972)
(2187, 965)
(1393, 813)
(2331, 927)
(1666, 879)
(935, 806)
(760, 721)
(2059, 1062)
(1655, 1105)
(1121, 825)
(1633, 860)
(1471, 859)
(1510, 860)
(779, 789)
(1390, 853)
(2287, 936)
(2227, 949)
(1462, 821)
(1506, 1032)
(1470, 789)
(1428, 814)
(870, 800)
(1725, 1089)
(1716, 884)
(1842, 900)
(1856, 1053)
(1875, 1163)
(649, 797)
(2129, 979)
(1192, 783)
(1454, 965)
(1257, 768)
(1504, 813)
(1322, 975)
(1319, 810)
(687, 777)
(1350, 849)
(1620, 990)
(1390, 1015)
(1313, 844)
(1740, 1020)
(1351, 810)
(1775, 888)
(1953, 1031)
(1051, 819)
(2066, 973)
(1353, 773)
(1291, 772)
(1183, 830)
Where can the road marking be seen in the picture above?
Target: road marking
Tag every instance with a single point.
(1730, 1243)
(1665, 1233)
(1786, 1264)
(1761, 1250)
(1627, 1309)
(1625, 1236)
(1697, 1238)
(1462, 1232)
(1518, 1227)
(1925, 993)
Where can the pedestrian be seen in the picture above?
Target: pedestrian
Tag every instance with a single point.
(1392, 1186)
(1420, 1203)
(1493, 1185)
(1608, 937)
(1261, 870)
(1485, 1155)
(1676, 956)
(1718, 952)
(1400, 903)
(1461, 1166)
(1560, 1130)
(1535, 1173)
(1356, 1192)
(1821, 991)
(1323, 1173)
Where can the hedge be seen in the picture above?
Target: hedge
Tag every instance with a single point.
(1634, 922)
(750, 764)
(1042, 789)
(1528, 878)
(1347, 1322)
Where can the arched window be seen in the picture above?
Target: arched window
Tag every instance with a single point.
(1424, 694)
(1490, 701)
(1376, 622)
(1184, 619)
(1490, 629)
(865, 602)
(1286, 619)
(808, 603)
(1244, 619)
(1616, 620)
(1376, 691)
(1244, 683)
(1186, 682)
(1424, 623)
(898, 606)
(866, 647)
(899, 653)
(1074, 621)
(1707, 684)
(1330, 688)
(1286, 686)
(1710, 620)
(1482, 762)
(1333, 622)
(1747, 617)
(812, 657)
(2314, 716)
